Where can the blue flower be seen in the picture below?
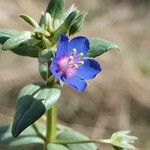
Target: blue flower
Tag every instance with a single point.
(70, 63)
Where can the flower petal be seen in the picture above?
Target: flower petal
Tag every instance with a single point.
(88, 70)
(76, 83)
(54, 69)
(80, 43)
(62, 47)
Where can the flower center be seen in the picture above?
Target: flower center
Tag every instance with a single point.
(68, 64)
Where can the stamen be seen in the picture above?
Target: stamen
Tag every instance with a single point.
(75, 65)
(81, 62)
(71, 57)
(80, 54)
(74, 51)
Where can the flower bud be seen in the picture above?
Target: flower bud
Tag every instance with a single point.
(77, 23)
(122, 140)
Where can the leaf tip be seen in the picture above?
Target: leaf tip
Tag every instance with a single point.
(4, 47)
(14, 132)
(21, 15)
(116, 47)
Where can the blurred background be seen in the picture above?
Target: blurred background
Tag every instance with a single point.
(119, 98)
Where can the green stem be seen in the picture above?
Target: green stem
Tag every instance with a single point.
(103, 141)
(51, 124)
(38, 132)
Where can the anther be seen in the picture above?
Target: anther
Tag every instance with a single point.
(81, 62)
(74, 51)
(71, 57)
(75, 65)
(80, 55)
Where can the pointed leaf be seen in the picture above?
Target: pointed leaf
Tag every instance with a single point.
(64, 28)
(29, 20)
(99, 46)
(28, 48)
(5, 34)
(56, 147)
(17, 40)
(31, 51)
(69, 135)
(56, 8)
(32, 102)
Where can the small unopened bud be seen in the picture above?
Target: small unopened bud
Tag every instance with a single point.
(48, 22)
(122, 140)
(77, 23)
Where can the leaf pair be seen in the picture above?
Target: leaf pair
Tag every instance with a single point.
(29, 136)
(28, 46)
(32, 102)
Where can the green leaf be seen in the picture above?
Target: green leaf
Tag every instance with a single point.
(99, 46)
(32, 102)
(77, 23)
(64, 28)
(56, 147)
(28, 48)
(29, 20)
(69, 135)
(29, 136)
(17, 40)
(5, 34)
(31, 51)
(56, 8)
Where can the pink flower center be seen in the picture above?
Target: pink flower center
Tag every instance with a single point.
(69, 64)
